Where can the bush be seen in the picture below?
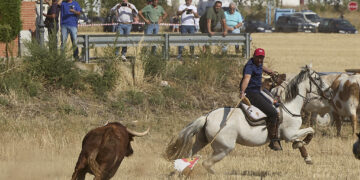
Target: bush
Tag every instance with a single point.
(10, 15)
(205, 71)
(52, 67)
(153, 65)
(101, 84)
(18, 80)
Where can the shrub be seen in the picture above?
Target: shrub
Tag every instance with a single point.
(18, 80)
(52, 67)
(10, 22)
(204, 71)
(101, 84)
(134, 97)
(153, 65)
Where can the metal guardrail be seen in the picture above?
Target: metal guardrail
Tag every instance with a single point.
(165, 40)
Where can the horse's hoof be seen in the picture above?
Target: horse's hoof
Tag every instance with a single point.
(298, 144)
(208, 168)
(308, 161)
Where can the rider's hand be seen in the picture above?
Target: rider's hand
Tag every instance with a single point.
(242, 95)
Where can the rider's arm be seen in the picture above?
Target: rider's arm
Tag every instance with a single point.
(268, 70)
(244, 84)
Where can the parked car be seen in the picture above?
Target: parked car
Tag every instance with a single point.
(109, 20)
(97, 19)
(257, 26)
(330, 25)
(293, 24)
(309, 16)
(83, 19)
(112, 28)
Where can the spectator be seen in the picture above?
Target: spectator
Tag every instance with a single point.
(211, 18)
(234, 22)
(52, 20)
(70, 12)
(175, 20)
(124, 14)
(153, 14)
(188, 14)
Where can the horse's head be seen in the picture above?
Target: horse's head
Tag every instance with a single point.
(307, 84)
(316, 87)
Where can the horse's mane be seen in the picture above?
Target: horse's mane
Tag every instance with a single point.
(292, 89)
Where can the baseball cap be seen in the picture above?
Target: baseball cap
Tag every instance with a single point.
(259, 52)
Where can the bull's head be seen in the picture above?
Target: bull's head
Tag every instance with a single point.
(356, 147)
(133, 133)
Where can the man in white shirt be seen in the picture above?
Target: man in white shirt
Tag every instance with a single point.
(188, 14)
(125, 13)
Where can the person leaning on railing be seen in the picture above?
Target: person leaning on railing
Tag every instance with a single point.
(210, 20)
(125, 13)
(234, 22)
(153, 14)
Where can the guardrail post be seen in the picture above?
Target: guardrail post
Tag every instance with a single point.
(166, 47)
(247, 45)
(86, 48)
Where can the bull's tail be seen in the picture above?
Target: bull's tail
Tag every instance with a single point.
(181, 146)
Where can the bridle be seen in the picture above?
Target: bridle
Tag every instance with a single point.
(306, 98)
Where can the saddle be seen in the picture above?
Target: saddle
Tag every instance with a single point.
(254, 116)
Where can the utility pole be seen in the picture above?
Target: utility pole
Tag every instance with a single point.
(41, 23)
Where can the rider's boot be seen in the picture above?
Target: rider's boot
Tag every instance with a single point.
(274, 140)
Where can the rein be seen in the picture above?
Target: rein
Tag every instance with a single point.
(306, 99)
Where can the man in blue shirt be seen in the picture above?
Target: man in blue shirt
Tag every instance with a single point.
(251, 86)
(70, 12)
(234, 22)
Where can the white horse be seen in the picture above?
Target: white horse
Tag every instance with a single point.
(236, 129)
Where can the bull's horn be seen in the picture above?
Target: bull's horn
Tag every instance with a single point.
(137, 133)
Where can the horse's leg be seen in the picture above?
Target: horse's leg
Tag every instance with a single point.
(337, 123)
(313, 120)
(300, 133)
(354, 120)
(200, 143)
(305, 155)
(221, 149)
(301, 144)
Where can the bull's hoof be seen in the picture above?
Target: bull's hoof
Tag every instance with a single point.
(308, 160)
(298, 144)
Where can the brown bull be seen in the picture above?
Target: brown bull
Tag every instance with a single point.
(103, 149)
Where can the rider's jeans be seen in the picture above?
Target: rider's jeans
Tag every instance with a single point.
(265, 105)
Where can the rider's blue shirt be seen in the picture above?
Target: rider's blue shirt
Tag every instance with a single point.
(256, 75)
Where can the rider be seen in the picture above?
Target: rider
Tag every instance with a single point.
(250, 86)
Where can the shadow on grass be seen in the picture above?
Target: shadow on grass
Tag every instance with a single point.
(259, 173)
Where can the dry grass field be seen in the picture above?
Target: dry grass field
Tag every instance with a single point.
(37, 146)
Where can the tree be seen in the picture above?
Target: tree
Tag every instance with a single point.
(10, 22)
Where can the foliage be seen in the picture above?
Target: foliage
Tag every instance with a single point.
(53, 67)
(153, 65)
(204, 71)
(18, 80)
(10, 15)
(101, 84)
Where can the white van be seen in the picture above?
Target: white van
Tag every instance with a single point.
(309, 16)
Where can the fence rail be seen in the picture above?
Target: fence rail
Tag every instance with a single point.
(86, 41)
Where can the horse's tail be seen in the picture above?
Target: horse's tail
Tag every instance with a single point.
(181, 146)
